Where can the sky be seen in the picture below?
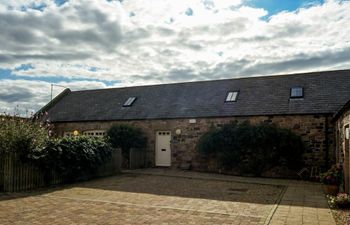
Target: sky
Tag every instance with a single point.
(92, 44)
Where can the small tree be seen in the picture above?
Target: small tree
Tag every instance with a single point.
(22, 135)
(126, 137)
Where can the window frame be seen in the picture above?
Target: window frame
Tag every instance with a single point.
(296, 97)
(129, 102)
(95, 133)
(68, 134)
(228, 93)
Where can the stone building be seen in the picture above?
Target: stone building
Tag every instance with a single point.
(174, 116)
(342, 132)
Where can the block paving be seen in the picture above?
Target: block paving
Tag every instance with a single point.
(159, 196)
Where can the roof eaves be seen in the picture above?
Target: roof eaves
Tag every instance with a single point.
(341, 111)
(52, 102)
(194, 117)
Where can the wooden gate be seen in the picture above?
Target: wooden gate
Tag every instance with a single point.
(137, 158)
(1, 174)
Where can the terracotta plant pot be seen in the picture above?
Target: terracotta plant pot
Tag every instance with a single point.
(331, 189)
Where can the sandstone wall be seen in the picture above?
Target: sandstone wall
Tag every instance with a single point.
(342, 122)
(315, 130)
(342, 147)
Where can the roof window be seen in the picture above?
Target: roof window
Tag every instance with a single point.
(232, 96)
(129, 102)
(296, 92)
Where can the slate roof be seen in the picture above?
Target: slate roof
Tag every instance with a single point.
(341, 111)
(324, 93)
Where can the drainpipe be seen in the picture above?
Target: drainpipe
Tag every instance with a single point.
(326, 142)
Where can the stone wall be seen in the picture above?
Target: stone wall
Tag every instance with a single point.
(340, 124)
(342, 147)
(312, 129)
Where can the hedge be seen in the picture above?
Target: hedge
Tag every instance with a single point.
(74, 157)
(253, 149)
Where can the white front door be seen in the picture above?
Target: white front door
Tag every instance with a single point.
(163, 152)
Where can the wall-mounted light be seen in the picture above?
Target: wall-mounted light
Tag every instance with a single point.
(75, 133)
(178, 131)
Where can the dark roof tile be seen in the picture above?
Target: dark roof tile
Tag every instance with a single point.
(324, 92)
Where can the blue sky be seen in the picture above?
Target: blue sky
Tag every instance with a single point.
(134, 42)
(276, 6)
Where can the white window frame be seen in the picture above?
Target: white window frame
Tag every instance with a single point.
(95, 133)
(232, 96)
(129, 102)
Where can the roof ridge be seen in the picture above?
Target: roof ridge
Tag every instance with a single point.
(225, 79)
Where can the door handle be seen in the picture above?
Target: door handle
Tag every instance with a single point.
(163, 149)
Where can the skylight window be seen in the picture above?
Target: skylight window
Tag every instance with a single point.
(129, 102)
(232, 96)
(296, 92)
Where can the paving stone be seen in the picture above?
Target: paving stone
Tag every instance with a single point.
(170, 197)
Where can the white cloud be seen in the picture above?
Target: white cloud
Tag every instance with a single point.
(142, 42)
(28, 96)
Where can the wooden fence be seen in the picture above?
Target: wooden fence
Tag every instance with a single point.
(111, 167)
(137, 158)
(16, 176)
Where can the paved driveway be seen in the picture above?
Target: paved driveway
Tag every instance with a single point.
(152, 197)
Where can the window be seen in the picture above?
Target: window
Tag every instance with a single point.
(232, 96)
(129, 102)
(68, 134)
(296, 92)
(163, 133)
(94, 133)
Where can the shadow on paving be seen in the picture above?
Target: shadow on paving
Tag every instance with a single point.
(4, 196)
(124, 185)
(130, 184)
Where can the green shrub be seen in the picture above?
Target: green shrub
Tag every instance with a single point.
(126, 137)
(253, 149)
(74, 157)
(209, 143)
(22, 136)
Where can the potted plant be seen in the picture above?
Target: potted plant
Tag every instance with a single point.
(332, 180)
(342, 200)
